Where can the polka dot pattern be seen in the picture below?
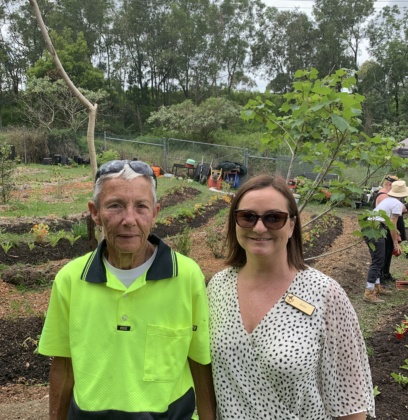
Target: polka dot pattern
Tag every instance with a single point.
(292, 366)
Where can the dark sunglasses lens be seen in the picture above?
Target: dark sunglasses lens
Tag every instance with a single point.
(245, 218)
(113, 166)
(275, 220)
(141, 168)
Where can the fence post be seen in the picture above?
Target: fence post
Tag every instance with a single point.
(246, 158)
(164, 155)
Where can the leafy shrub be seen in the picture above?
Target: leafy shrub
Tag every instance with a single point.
(107, 155)
(215, 240)
(184, 242)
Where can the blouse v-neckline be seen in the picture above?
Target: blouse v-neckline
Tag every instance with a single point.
(272, 309)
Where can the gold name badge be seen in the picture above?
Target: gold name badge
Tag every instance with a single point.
(299, 304)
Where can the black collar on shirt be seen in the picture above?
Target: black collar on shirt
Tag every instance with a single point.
(164, 265)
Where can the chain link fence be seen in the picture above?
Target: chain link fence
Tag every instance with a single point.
(170, 153)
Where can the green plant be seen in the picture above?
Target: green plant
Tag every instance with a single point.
(184, 242)
(80, 229)
(54, 238)
(370, 351)
(187, 213)
(71, 238)
(400, 379)
(31, 245)
(6, 246)
(404, 247)
(400, 328)
(215, 240)
(107, 155)
(405, 365)
(376, 391)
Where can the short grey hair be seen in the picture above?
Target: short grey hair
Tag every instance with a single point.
(127, 173)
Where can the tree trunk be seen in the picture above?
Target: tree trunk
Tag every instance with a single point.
(84, 101)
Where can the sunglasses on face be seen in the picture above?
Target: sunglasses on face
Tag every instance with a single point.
(272, 219)
(115, 166)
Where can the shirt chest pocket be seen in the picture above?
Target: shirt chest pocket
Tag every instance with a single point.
(166, 352)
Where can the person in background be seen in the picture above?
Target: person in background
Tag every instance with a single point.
(389, 246)
(378, 247)
(383, 192)
(127, 325)
(285, 339)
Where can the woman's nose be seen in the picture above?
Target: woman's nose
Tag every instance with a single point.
(259, 226)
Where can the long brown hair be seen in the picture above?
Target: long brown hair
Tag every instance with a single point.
(236, 255)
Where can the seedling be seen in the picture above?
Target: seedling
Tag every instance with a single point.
(376, 391)
(405, 365)
(400, 329)
(6, 246)
(71, 238)
(400, 379)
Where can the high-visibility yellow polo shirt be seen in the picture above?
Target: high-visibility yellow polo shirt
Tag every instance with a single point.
(130, 346)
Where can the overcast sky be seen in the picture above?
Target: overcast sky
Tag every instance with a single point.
(306, 6)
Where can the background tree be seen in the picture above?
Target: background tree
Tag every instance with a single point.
(232, 37)
(51, 105)
(75, 58)
(285, 42)
(200, 121)
(341, 26)
(388, 45)
(91, 18)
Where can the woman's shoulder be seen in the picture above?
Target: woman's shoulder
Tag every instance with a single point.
(225, 275)
(317, 282)
(223, 278)
(313, 275)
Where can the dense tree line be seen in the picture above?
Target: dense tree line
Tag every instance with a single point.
(138, 55)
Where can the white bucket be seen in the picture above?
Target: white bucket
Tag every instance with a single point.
(296, 197)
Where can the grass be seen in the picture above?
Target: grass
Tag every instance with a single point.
(40, 193)
(45, 191)
(372, 316)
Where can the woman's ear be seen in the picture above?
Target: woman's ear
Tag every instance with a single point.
(93, 211)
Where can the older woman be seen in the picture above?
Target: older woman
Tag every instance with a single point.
(285, 340)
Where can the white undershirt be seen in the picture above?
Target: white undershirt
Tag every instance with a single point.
(127, 277)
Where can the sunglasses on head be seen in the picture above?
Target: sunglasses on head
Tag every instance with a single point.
(115, 166)
(272, 219)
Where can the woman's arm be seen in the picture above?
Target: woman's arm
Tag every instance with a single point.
(61, 386)
(204, 388)
(357, 416)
